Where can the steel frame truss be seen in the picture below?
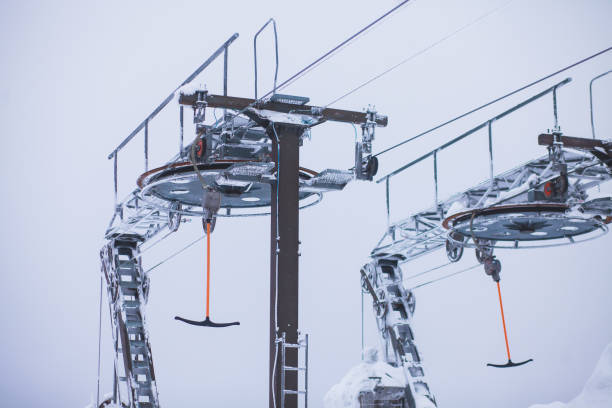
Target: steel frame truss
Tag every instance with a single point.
(422, 232)
(127, 290)
(393, 307)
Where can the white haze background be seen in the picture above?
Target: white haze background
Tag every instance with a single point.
(76, 77)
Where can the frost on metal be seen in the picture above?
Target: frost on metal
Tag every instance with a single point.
(394, 306)
(329, 179)
(281, 117)
(361, 379)
(249, 170)
(187, 89)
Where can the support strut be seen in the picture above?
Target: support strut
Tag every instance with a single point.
(284, 245)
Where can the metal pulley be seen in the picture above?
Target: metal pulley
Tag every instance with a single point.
(492, 267)
(454, 246)
(174, 216)
(211, 202)
(484, 249)
(366, 165)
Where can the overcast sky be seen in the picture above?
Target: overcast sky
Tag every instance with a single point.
(78, 76)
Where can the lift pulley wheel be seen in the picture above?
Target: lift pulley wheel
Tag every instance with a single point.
(179, 183)
(454, 247)
(522, 222)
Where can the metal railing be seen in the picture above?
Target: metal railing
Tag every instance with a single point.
(591, 99)
(488, 124)
(275, 53)
(145, 123)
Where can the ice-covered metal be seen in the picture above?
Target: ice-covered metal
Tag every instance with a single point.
(127, 290)
(393, 308)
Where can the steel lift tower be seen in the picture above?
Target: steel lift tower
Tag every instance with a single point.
(243, 164)
(285, 120)
(548, 201)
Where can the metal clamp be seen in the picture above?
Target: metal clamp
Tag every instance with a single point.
(199, 108)
(366, 165)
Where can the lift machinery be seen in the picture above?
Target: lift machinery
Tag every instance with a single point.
(243, 164)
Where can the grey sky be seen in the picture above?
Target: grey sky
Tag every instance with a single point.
(77, 77)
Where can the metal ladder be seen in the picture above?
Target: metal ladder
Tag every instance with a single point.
(127, 289)
(394, 306)
(301, 344)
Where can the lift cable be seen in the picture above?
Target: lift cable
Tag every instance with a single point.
(435, 268)
(495, 100)
(334, 50)
(424, 50)
(446, 276)
(319, 60)
(175, 254)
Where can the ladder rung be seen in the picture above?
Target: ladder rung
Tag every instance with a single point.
(141, 370)
(135, 330)
(289, 368)
(129, 285)
(292, 392)
(291, 345)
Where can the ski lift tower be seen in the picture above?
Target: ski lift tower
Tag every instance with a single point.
(286, 119)
(241, 164)
(548, 201)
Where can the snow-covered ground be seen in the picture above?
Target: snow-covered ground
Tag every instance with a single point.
(345, 394)
(597, 393)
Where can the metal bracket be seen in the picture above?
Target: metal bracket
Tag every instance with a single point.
(366, 165)
(199, 108)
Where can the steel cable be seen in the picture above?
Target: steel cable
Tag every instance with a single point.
(424, 50)
(175, 254)
(495, 100)
(319, 60)
(435, 268)
(445, 277)
(337, 48)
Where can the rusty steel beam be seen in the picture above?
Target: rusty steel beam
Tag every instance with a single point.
(236, 103)
(546, 139)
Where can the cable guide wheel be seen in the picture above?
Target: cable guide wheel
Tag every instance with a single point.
(520, 223)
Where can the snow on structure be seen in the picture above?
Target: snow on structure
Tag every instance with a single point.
(371, 372)
(456, 207)
(104, 402)
(188, 89)
(597, 393)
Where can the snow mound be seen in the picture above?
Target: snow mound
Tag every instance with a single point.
(106, 397)
(345, 394)
(106, 406)
(597, 392)
(456, 207)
